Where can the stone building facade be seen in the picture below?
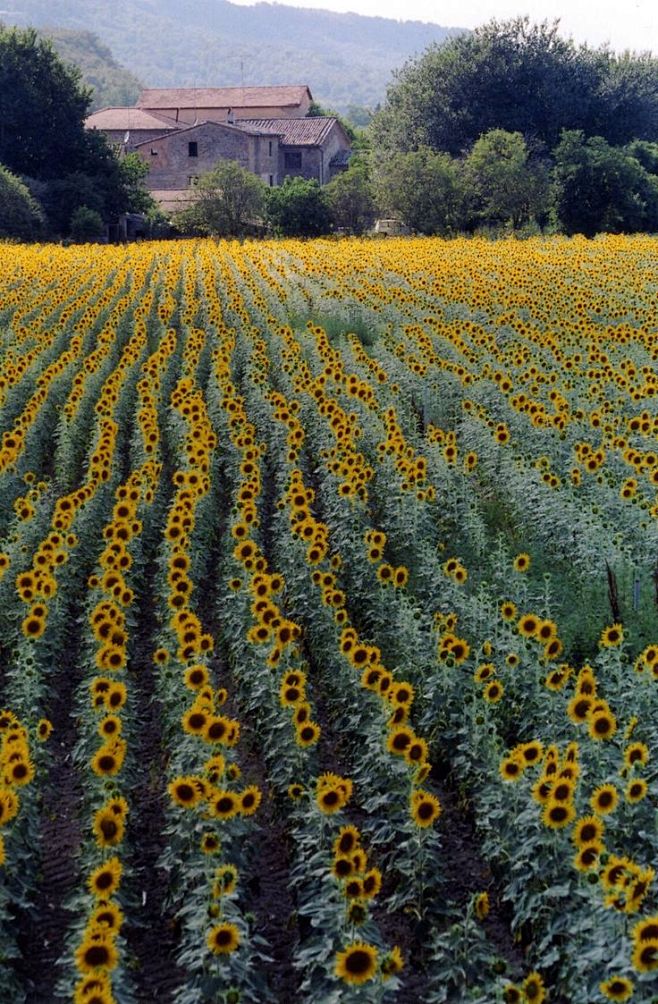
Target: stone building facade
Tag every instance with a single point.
(180, 140)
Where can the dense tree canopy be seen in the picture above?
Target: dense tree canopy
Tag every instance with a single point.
(42, 107)
(520, 77)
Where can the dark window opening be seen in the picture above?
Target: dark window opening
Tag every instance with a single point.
(271, 181)
(154, 153)
(193, 149)
(293, 159)
(270, 148)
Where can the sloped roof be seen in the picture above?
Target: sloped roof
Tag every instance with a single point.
(128, 118)
(285, 96)
(309, 131)
(201, 125)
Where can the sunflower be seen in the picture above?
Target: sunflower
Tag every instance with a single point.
(578, 708)
(250, 799)
(425, 808)
(392, 963)
(617, 988)
(184, 791)
(533, 988)
(223, 939)
(521, 562)
(105, 879)
(510, 768)
(44, 729)
(97, 954)
(108, 827)
(512, 994)
(107, 915)
(224, 805)
(372, 883)
(399, 739)
(94, 989)
(226, 880)
(347, 840)
(210, 843)
(481, 905)
(508, 610)
(604, 799)
(587, 856)
(636, 753)
(645, 955)
(587, 830)
(493, 692)
(357, 963)
(602, 725)
(636, 790)
(527, 625)
(612, 637)
(295, 791)
(307, 734)
(557, 815)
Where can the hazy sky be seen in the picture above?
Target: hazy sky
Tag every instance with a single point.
(625, 25)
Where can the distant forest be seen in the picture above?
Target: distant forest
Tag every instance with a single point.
(346, 59)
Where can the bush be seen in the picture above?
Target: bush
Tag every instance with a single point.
(20, 213)
(86, 225)
(299, 208)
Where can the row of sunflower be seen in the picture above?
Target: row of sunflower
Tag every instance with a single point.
(316, 802)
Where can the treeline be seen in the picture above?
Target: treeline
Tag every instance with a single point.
(500, 187)
(513, 126)
(56, 178)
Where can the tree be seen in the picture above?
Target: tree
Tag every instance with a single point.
(503, 183)
(422, 188)
(599, 188)
(520, 77)
(20, 213)
(351, 199)
(299, 208)
(42, 107)
(230, 201)
(86, 225)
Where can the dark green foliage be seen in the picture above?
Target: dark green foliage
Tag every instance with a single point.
(230, 202)
(423, 189)
(300, 208)
(520, 77)
(20, 214)
(602, 188)
(42, 107)
(503, 184)
(86, 224)
(351, 199)
(345, 58)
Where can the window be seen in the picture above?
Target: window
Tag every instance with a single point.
(193, 149)
(271, 181)
(270, 148)
(292, 159)
(154, 153)
(193, 180)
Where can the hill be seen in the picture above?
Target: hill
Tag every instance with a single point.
(112, 84)
(345, 58)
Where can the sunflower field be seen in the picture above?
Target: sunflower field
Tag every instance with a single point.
(329, 622)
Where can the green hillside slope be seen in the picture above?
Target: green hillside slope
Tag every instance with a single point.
(345, 58)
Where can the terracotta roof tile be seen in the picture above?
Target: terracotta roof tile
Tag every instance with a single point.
(223, 97)
(310, 131)
(128, 118)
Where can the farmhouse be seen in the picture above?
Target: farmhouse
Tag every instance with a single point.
(181, 133)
